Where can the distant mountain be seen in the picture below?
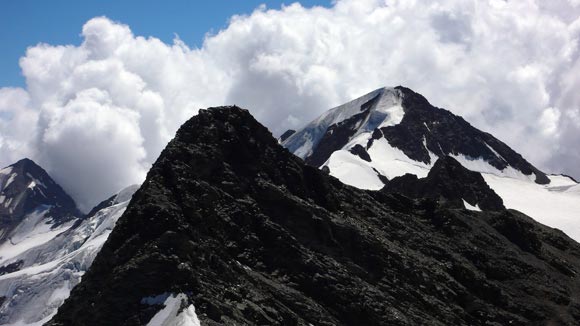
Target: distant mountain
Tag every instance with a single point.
(28, 198)
(46, 244)
(230, 228)
(391, 132)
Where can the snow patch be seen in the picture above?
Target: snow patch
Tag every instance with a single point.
(33, 231)
(392, 162)
(494, 152)
(471, 207)
(10, 179)
(37, 323)
(352, 170)
(36, 181)
(483, 166)
(172, 315)
(387, 160)
(4, 175)
(306, 148)
(31, 185)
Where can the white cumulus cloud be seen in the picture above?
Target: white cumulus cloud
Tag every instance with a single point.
(97, 115)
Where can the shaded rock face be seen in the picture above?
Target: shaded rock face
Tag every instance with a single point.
(361, 152)
(253, 236)
(446, 133)
(24, 187)
(449, 181)
(286, 134)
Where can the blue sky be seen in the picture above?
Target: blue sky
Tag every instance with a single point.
(25, 23)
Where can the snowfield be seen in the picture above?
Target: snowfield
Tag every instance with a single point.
(52, 261)
(548, 204)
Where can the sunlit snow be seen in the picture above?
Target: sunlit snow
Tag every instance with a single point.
(387, 111)
(172, 315)
(471, 207)
(53, 260)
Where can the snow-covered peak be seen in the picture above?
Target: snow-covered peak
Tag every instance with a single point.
(25, 186)
(380, 107)
(402, 133)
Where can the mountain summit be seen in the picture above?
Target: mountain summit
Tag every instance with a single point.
(402, 120)
(230, 228)
(25, 188)
(391, 132)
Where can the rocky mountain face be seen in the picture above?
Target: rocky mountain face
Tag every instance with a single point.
(230, 228)
(391, 132)
(46, 244)
(448, 181)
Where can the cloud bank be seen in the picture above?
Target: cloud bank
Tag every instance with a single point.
(98, 114)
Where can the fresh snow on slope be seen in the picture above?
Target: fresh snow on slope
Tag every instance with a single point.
(354, 171)
(387, 111)
(173, 315)
(6, 177)
(574, 190)
(32, 232)
(54, 265)
(546, 204)
(386, 160)
(481, 165)
(471, 207)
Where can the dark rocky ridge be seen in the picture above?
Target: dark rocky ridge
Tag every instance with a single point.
(287, 134)
(25, 199)
(254, 236)
(449, 182)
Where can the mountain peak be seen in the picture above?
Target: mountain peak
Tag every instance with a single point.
(24, 187)
(25, 162)
(336, 127)
(239, 231)
(411, 126)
